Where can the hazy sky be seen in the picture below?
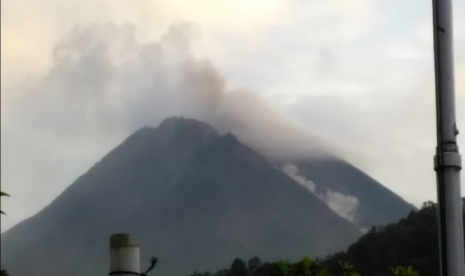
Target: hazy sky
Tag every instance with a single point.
(80, 76)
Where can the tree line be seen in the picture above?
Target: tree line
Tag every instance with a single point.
(408, 247)
(305, 267)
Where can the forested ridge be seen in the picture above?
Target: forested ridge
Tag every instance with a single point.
(408, 247)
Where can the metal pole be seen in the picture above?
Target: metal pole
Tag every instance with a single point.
(124, 255)
(447, 159)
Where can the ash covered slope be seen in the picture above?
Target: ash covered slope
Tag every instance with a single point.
(236, 196)
(349, 191)
(191, 197)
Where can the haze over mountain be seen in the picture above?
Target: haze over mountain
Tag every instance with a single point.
(196, 200)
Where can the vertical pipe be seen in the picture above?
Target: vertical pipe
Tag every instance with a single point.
(124, 255)
(447, 159)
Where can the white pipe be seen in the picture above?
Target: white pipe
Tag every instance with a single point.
(124, 255)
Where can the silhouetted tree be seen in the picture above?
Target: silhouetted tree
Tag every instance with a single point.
(239, 268)
(254, 264)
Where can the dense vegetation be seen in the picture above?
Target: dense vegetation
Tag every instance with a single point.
(305, 267)
(385, 250)
(411, 241)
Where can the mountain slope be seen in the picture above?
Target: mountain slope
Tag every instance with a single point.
(412, 241)
(255, 206)
(191, 197)
(351, 192)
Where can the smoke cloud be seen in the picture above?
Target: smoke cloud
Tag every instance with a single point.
(104, 81)
(344, 205)
(293, 172)
(104, 84)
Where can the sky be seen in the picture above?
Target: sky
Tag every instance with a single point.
(80, 76)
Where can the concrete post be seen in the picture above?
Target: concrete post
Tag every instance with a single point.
(124, 255)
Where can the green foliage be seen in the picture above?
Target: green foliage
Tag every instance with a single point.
(306, 267)
(348, 269)
(284, 267)
(4, 273)
(411, 241)
(307, 264)
(309, 267)
(404, 271)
